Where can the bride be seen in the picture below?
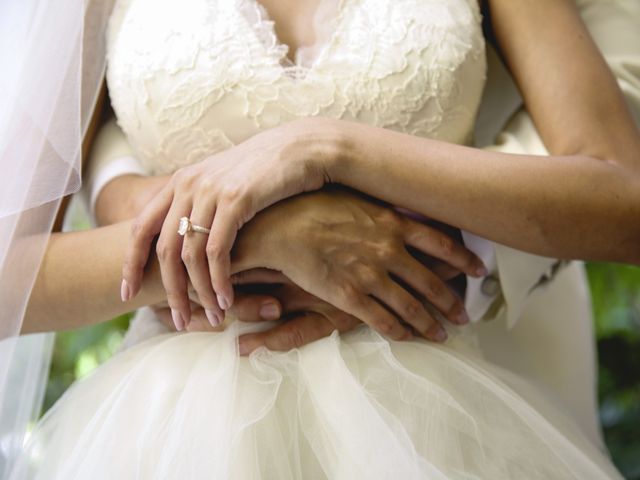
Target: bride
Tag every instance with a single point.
(291, 158)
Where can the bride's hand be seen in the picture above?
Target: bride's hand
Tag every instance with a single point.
(222, 193)
(353, 254)
(248, 307)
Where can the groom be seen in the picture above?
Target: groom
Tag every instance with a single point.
(533, 313)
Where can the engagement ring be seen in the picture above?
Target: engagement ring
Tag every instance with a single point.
(185, 226)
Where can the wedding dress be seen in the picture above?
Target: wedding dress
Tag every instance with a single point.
(191, 78)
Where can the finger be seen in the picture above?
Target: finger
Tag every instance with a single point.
(444, 270)
(200, 323)
(437, 266)
(410, 309)
(255, 308)
(274, 303)
(144, 229)
(172, 270)
(357, 303)
(341, 320)
(195, 260)
(432, 288)
(163, 313)
(434, 242)
(259, 275)
(295, 333)
(224, 229)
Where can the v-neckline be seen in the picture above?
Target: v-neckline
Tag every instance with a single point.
(292, 66)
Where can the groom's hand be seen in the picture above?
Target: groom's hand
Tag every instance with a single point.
(307, 318)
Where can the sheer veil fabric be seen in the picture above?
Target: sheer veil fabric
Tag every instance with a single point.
(52, 57)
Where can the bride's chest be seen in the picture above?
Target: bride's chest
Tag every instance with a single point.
(192, 77)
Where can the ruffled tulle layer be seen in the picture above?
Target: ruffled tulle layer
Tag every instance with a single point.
(356, 406)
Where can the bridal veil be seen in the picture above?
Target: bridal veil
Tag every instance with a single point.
(52, 58)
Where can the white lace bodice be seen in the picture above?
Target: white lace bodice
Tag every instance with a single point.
(190, 78)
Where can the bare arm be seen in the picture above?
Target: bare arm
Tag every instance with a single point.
(581, 202)
(79, 281)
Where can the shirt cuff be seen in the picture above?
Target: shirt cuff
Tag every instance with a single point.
(118, 167)
(481, 292)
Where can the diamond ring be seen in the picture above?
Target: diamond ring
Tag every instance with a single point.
(185, 226)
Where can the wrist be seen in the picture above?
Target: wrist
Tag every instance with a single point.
(325, 146)
(114, 200)
(256, 245)
(125, 196)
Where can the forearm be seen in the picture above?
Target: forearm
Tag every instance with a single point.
(79, 281)
(565, 207)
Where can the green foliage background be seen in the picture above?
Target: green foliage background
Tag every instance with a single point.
(616, 302)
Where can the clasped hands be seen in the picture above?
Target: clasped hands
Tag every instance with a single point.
(328, 259)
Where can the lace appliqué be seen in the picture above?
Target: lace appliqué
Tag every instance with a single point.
(188, 80)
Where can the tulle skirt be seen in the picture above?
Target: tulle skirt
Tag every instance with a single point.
(351, 406)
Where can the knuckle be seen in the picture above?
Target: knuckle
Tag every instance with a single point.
(435, 288)
(165, 252)
(384, 326)
(421, 237)
(206, 185)
(293, 338)
(138, 228)
(214, 251)
(385, 250)
(181, 177)
(348, 298)
(412, 308)
(369, 277)
(348, 292)
(447, 245)
(189, 256)
(233, 194)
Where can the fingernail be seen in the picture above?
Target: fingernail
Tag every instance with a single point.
(177, 319)
(270, 311)
(213, 318)
(482, 271)
(438, 333)
(125, 291)
(462, 318)
(222, 301)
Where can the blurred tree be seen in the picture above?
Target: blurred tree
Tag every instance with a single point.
(615, 291)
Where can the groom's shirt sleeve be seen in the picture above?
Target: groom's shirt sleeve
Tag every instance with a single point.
(515, 275)
(111, 157)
